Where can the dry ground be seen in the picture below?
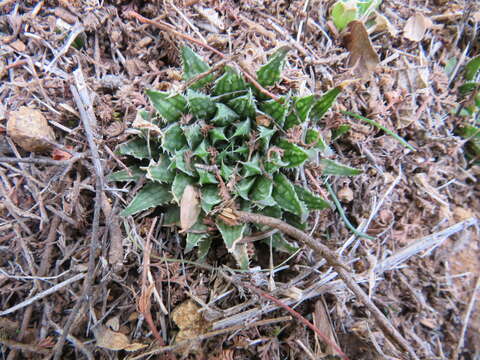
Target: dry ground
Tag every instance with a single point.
(421, 206)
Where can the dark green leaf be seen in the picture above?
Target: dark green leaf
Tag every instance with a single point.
(323, 104)
(293, 154)
(242, 129)
(339, 131)
(172, 216)
(229, 83)
(173, 138)
(217, 134)
(285, 195)
(471, 69)
(271, 72)
(137, 148)
(230, 234)
(123, 175)
(244, 186)
(193, 135)
(314, 137)
(224, 116)
(160, 171)
(275, 109)
(244, 106)
(312, 201)
(210, 197)
(331, 167)
(252, 167)
(201, 105)
(151, 195)
(206, 177)
(194, 65)
(169, 106)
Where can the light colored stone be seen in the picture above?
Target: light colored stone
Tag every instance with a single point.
(29, 129)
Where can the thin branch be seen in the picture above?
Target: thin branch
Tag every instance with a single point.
(43, 294)
(341, 269)
(466, 319)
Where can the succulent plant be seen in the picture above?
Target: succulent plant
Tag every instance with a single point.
(222, 141)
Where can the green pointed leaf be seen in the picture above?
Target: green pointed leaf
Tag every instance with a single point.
(217, 134)
(314, 137)
(274, 163)
(202, 150)
(226, 171)
(179, 183)
(137, 148)
(300, 111)
(312, 201)
(323, 104)
(182, 161)
(261, 192)
(276, 110)
(296, 221)
(331, 167)
(230, 234)
(252, 167)
(339, 131)
(169, 106)
(201, 105)
(243, 187)
(151, 195)
(206, 177)
(273, 211)
(280, 244)
(210, 197)
(271, 72)
(285, 195)
(160, 171)
(230, 82)
(265, 135)
(173, 138)
(243, 129)
(193, 135)
(472, 68)
(244, 106)
(135, 174)
(203, 248)
(224, 116)
(195, 234)
(194, 65)
(293, 154)
(172, 216)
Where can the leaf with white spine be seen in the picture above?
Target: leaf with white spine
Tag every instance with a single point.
(169, 106)
(194, 65)
(271, 72)
(151, 195)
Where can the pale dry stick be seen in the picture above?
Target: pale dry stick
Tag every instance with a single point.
(38, 161)
(43, 294)
(300, 26)
(169, 28)
(87, 286)
(428, 242)
(211, 334)
(341, 269)
(15, 345)
(75, 31)
(466, 319)
(187, 20)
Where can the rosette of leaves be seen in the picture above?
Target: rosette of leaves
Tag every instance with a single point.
(222, 143)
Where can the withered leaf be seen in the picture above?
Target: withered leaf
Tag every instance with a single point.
(113, 340)
(416, 26)
(189, 207)
(362, 54)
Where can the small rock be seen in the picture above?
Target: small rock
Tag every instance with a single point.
(345, 194)
(29, 129)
